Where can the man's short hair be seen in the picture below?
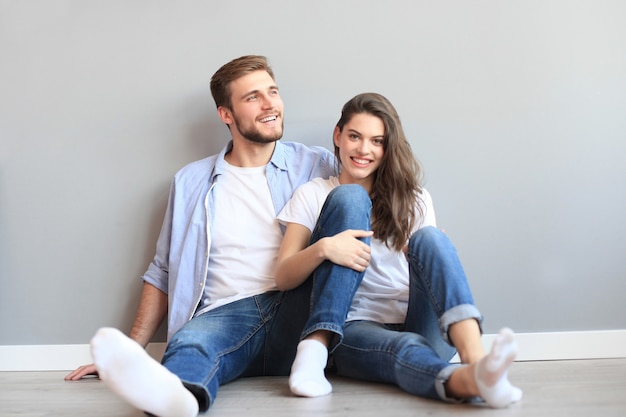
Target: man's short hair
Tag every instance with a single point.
(233, 70)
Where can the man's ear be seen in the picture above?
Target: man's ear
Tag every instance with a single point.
(225, 114)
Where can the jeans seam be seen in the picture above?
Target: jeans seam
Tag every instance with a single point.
(235, 347)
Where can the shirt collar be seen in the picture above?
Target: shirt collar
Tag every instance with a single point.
(220, 163)
(279, 158)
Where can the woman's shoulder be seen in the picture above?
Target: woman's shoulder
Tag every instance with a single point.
(320, 184)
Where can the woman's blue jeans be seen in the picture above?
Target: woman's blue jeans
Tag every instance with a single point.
(414, 355)
(259, 335)
(346, 207)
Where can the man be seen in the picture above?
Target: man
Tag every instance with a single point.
(213, 269)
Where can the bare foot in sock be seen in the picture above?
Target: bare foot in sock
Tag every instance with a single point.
(491, 372)
(129, 371)
(307, 377)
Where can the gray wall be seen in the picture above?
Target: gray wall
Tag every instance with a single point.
(517, 111)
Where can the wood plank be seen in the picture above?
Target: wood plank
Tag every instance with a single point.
(551, 388)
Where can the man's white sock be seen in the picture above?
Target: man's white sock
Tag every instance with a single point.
(129, 371)
(307, 377)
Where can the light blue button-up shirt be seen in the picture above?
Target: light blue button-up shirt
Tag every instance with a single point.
(179, 267)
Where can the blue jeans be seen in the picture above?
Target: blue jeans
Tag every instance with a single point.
(414, 355)
(346, 207)
(259, 335)
(250, 337)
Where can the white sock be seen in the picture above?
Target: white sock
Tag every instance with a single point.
(307, 377)
(491, 372)
(129, 371)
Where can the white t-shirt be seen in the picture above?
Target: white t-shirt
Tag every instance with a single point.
(384, 293)
(242, 265)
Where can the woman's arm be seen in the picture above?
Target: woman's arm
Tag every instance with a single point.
(297, 259)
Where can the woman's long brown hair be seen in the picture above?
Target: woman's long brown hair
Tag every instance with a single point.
(396, 190)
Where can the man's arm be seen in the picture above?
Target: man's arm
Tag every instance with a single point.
(152, 309)
(150, 313)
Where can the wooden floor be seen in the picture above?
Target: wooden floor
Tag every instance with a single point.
(589, 388)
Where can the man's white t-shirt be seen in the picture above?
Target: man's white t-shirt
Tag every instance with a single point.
(242, 265)
(384, 292)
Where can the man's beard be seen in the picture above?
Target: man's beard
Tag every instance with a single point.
(254, 135)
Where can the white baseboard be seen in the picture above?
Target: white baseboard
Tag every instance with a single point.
(554, 346)
(532, 347)
(54, 357)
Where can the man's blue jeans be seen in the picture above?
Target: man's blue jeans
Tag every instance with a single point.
(414, 355)
(259, 335)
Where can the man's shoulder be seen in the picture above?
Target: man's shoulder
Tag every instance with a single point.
(200, 168)
(316, 161)
(301, 148)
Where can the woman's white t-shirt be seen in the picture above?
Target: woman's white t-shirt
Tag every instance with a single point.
(384, 293)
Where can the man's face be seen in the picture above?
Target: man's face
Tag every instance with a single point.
(257, 109)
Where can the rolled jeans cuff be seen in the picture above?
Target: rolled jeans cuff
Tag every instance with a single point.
(457, 314)
(441, 380)
(330, 327)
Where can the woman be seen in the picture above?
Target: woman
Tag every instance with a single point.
(413, 307)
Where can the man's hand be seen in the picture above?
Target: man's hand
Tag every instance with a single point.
(152, 309)
(82, 372)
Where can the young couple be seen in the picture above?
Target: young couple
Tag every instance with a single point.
(234, 291)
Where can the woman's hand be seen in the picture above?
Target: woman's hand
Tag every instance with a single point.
(347, 250)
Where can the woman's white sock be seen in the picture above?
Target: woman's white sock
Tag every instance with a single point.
(491, 372)
(307, 377)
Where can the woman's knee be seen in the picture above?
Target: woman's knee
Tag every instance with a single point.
(350, 194)
(428, 235)
(346, 207)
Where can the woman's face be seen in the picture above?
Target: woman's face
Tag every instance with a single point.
(361, 149)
